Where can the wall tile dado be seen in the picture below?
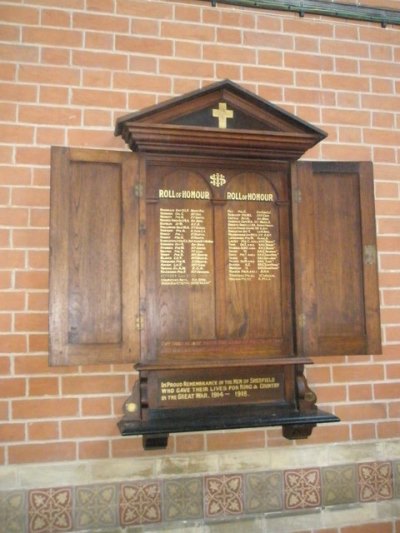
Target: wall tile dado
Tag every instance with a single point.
(339, 485)
(96, 506)
(182, 499)
(263, 492)
(140, 503)
(13, 508)
(203, 500)
(302, 488)
(50, 509)
(375, 481)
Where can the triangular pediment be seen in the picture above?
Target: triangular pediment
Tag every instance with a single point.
(215, 114)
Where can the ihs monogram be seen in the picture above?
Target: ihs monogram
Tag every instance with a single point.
(217, 179)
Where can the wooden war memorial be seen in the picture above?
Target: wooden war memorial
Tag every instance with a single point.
(214, 260)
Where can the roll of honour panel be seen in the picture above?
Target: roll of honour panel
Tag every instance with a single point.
(217, 260)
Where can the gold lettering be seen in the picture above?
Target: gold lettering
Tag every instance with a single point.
(173, 391)
(217, 179)
(250, 196)
(268, 379)
(185, 250)
(252, 250)
(184, 194)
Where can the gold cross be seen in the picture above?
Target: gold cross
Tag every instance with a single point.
(222, 113)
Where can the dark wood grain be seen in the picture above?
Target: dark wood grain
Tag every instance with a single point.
(225, 318)
(94, 293)
(337, 300)
(94, 254)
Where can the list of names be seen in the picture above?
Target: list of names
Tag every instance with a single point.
(184, 248)
(252, 249)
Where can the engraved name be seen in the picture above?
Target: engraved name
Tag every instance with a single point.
(252, 249)
(184, 247)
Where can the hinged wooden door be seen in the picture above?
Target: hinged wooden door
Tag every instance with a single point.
(94, 275)
(335, 259)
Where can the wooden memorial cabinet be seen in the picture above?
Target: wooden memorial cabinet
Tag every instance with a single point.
(236, 265)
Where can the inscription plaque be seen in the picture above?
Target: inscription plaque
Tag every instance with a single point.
(245, 387)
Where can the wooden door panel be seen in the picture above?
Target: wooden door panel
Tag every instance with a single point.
(94, 262)
(339, 259)
(94, 276)
(336, 295)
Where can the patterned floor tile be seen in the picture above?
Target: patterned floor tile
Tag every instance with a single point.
(96, 507)
(13, 511)
(339, 485)
(375, 481)
(183, 499)
(263, 492)
(302, 488)
(50, 510)
(140, 503)
(223, 496)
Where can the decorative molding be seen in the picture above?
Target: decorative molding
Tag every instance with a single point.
(321, 7)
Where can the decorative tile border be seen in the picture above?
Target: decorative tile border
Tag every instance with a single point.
(396, 478)
(263, 492)
(302, 488)
(205, 498)
(140, 503)
(96, 507)
(339, 485)
(13, 511)
(50, 510)
(182, 499)
(223, 496)
(375, 481)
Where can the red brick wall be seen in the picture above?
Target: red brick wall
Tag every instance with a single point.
(68, 69)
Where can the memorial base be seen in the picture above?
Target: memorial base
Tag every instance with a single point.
(155, 419)
(155, 430)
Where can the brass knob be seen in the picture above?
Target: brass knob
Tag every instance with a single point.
(131, 407)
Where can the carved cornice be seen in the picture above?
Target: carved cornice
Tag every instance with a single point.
(206, 141)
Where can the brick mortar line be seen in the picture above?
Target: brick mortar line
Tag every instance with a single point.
(259, 47)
